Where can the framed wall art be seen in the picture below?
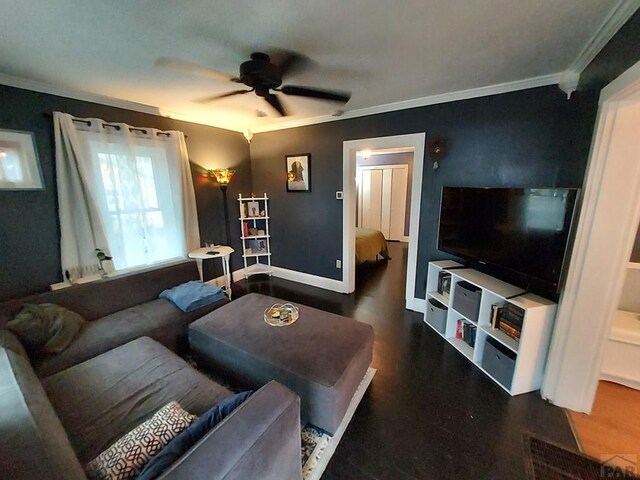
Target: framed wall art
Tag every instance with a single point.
(19, 164)
(298, 172)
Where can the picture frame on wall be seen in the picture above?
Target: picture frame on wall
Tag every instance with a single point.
(298, 172)
(19, 163)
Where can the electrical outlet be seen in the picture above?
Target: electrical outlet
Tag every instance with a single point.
(338, 263)
(338, 195)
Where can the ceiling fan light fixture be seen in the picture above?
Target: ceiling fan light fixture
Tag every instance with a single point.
(263, 74)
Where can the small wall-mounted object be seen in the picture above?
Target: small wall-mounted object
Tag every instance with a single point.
(437, 148)
(19, 164)
(338, 195)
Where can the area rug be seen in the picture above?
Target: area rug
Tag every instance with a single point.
(547, 461)
(317, 445)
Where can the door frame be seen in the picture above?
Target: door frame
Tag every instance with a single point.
(600, 254)
(414, 141)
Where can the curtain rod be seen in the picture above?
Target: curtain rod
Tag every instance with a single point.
(117, 127)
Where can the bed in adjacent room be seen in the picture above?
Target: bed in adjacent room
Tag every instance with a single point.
(369, 244)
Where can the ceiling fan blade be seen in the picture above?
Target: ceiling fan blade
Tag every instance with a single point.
(224, 95)
(334, 96)
(190, 67)
(274, 101)
(287, 61)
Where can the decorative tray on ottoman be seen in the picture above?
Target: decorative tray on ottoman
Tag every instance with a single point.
(281, 315)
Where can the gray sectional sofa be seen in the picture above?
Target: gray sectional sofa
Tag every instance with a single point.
(50, 428)
(118, 310)
(58, 412)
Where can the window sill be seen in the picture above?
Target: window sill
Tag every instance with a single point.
(118, 273)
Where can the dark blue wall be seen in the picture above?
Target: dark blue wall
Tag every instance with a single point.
(29, 230)
(517, 139)
(529, 138)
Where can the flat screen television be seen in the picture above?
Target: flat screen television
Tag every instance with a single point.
(523, 232)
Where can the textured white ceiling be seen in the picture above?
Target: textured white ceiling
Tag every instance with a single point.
(381, 51)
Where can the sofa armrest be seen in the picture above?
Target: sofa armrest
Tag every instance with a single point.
(260, 439)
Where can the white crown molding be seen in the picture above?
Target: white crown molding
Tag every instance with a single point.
(67, 92)
(618, 16)
(499, 88)
(569, 82)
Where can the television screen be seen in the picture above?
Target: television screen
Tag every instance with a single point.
(522, 231)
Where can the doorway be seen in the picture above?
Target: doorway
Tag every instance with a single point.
(604, 241)
(413, 143)
(383, 198)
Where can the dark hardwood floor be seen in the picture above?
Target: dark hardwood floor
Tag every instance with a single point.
(429, 413)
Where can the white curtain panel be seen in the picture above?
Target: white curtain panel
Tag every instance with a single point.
(131, 195)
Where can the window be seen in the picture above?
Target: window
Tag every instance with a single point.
(19, 165)
(139, 199)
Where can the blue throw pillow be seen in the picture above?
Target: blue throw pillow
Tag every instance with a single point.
(190, 436)
(193, 295)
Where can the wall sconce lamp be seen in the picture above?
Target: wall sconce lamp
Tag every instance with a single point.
(223, 176)
(437, 148)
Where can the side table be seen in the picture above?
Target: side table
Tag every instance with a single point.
(223, 252)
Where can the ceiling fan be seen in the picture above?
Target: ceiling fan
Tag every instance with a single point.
(263, 76)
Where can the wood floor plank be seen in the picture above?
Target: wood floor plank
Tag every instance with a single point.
(613, 427)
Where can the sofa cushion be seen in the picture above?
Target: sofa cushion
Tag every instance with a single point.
(129, 455)
(158, 319)
(33, 443)
(103, 297)
(100, 400)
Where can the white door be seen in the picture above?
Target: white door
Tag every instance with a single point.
(382, 196)
(398, 200)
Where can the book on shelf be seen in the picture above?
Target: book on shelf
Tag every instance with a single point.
(467, 332)
(514, 318)
(245, 229)
(496, 310)
(509, 330)
(508, 319)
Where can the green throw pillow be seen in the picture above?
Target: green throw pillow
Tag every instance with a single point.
(46, 327)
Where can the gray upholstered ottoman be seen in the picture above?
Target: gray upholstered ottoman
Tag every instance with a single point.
(322, 357)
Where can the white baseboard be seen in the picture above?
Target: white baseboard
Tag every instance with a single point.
(291, 275)
(417, 304)
(626, 381)
(308, 279)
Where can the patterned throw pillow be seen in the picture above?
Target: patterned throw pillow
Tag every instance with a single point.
(126, 458)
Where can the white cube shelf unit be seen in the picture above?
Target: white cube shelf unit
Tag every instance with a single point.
(529, 352)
